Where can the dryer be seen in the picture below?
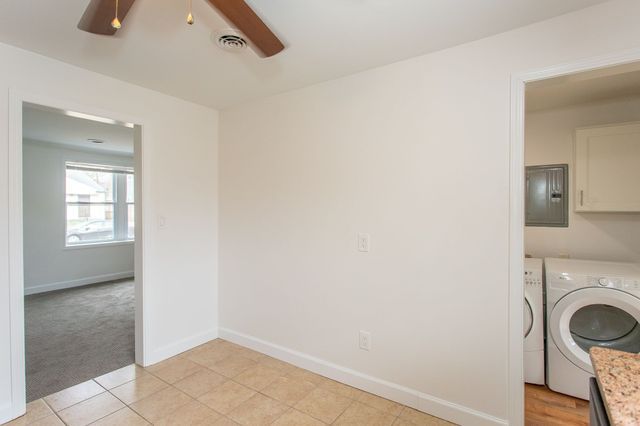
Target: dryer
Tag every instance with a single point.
(533, 322)
(589, 303)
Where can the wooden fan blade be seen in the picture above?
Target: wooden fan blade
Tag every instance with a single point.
(245, 19)
(99, 14)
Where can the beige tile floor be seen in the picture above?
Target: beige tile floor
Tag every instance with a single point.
(218, 383)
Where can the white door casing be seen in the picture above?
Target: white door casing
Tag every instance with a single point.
(16, 279)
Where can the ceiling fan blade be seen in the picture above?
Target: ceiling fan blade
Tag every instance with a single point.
(99, 14)
(245, 19)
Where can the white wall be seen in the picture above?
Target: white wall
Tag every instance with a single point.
(549, 139)
(48, 264)
(416, 154)
(180, 183)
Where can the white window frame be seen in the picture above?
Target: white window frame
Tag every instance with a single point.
(119, 203)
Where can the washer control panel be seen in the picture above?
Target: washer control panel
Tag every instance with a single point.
(532, 277)
(532, 272)
(603, 281)
(613, 282)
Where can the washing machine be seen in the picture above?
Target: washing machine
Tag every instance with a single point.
(589, 303)
(533, 322)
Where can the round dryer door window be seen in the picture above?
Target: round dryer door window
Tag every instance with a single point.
(606, 326)
(595, 317)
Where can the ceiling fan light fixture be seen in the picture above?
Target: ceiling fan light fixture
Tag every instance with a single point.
(190, 14)
(116, 22)
(100, 18)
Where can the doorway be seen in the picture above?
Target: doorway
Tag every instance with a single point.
(601, 66)
(91, 218)
(78, 231)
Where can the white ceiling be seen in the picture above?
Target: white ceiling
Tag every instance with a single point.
(324, 39)
(598, 85)
(50, 125)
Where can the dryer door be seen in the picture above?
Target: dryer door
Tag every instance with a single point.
(528, 318)
(595, 317)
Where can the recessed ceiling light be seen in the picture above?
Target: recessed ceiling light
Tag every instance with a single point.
(92, 140)
(96, 118)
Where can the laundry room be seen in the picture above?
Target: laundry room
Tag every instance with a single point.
(582, 239)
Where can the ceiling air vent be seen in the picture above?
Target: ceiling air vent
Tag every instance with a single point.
(229, 40)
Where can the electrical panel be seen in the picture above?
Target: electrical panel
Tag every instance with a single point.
(546, 202)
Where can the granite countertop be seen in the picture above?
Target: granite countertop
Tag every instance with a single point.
(618, 375)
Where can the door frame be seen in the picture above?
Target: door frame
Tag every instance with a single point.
(516, 211)
(17, 98)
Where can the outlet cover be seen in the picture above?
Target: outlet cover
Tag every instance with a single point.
(365, 340)
(364, 242)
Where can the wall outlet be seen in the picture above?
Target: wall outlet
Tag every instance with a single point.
(364, 242)
(365, 340)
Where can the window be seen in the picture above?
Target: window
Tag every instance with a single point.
(130, 207)
(99, 203)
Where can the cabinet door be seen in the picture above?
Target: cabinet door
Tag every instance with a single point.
(608, 168)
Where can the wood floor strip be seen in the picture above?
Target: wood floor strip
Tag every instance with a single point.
(545, 407)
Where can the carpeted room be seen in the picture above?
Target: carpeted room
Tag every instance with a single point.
(77, 334)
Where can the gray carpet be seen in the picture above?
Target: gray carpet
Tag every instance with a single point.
(77, 334)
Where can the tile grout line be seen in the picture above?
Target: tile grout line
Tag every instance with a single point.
(106, 391)
(76, 403)
(152, 394)
(169, 385)
(55, 413)
(140, 414)
(353, 401)
(107, 415)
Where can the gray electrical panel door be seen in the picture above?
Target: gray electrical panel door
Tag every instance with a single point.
(546, 202)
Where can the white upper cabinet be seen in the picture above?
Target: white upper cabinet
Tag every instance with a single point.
(607, 168)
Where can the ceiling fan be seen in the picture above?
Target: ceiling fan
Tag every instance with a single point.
(104, 17)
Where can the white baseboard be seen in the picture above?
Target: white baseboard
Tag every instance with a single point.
(438, 407)
(60, 285)
(180, 346)
(455, 412)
